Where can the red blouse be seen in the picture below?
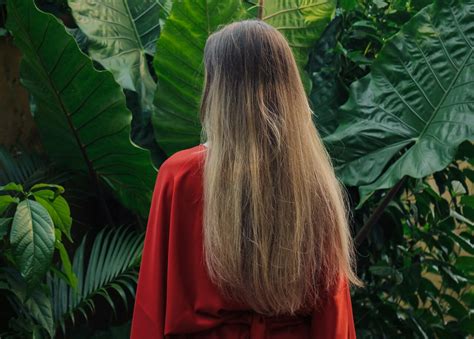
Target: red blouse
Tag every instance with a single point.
(175, 297)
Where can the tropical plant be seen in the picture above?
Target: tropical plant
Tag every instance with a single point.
(409, 115)
(23, 167)
(80, 111)
(328, 90)
(32, 224)
(391, 87)
(34, 221)
(32, 308)
(110, 266)
(178, 63)
(419, 273)
(121, 34)
(301, 23)
(122, 38)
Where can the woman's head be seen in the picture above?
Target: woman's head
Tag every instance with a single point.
(249, 65)
(276, 232)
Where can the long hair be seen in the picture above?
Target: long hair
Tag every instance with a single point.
(276, 234)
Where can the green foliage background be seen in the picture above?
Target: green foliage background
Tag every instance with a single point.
(115, 90)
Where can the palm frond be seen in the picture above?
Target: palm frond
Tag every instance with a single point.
(27, 168)
(111, 266)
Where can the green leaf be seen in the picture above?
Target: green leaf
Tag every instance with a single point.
(26, 167)
(4, 226)
(5, 201)
(110, 265)
(468, 200)
(35, 304)
(56, 188)
(456, 309)
(465, 244)
(302, 23)
(67, 266)
(121, 34)
(465, 263)
(40, 307)
(468, 297)
(12, 187)
(58, 209)
(383, 271)
(386, 271)
(178, 62)
(348, 5)
(408, 116)
(45, 194)
(460, 217)
(179, 67)
(328, 92)
(80, 112)
(32, 239)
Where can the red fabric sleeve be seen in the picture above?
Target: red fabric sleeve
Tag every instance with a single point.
(334, 319)
(150, 302)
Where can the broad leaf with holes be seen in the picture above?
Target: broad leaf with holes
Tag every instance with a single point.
(178, 64)
(80, 112)
(32, 239)
(408, 116)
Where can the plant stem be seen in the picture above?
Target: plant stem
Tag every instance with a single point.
(260, 9)
(365, 230)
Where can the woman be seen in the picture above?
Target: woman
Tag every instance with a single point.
(248, 234)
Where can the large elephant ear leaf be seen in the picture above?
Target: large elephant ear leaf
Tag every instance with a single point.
(408, 116)
(178, 65)
(301, 22)
(120, 35)
(80, 112)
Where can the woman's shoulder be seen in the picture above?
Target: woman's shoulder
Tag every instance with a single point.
(184, 160)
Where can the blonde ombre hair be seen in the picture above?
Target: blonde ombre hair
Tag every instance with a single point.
(276, 234)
